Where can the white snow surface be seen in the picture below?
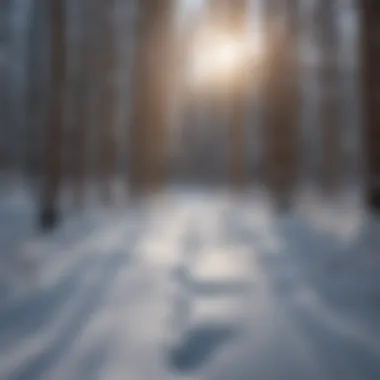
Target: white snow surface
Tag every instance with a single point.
(191, 285)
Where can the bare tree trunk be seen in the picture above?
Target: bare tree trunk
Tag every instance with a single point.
(281, 100)
(329, 96)
(34, 92)
(107, 100)
(82, 95)
(5, 88)
(53, 142)
(151, 96)
(37, 93)
(371, 88)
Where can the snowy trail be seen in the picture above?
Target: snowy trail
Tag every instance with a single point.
(198, 287)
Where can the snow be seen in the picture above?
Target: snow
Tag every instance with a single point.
(191, 285)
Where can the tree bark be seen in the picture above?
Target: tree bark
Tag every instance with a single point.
(370, 21)
(54, 132)
(238, 117)
(107, 101)
(5, 85)
(281, 100)
(151, 95)
(82, 103)
(329, 96)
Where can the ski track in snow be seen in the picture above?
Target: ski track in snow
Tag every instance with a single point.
(193, 285)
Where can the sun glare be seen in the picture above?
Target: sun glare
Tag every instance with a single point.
(218, 57)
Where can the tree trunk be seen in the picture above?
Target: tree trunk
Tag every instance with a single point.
(151, 96)
(371, 88)
(238, 117)
(281, 100)
(81, 95)
(329, 95)
(53, 142)
(5, 86)
(107, 100)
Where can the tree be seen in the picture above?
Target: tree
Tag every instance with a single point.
(237, 156)
(81, 95)
(5, 117)
(107, 99)
(54, 130)
(281, 98)
(329, 98)
(151, 95)
(370, 10)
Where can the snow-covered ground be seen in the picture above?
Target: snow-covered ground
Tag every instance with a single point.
(192, 285)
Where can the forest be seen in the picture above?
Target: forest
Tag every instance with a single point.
(189, 189)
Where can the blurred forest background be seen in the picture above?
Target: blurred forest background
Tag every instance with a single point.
(98, 104)
(101, 49)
